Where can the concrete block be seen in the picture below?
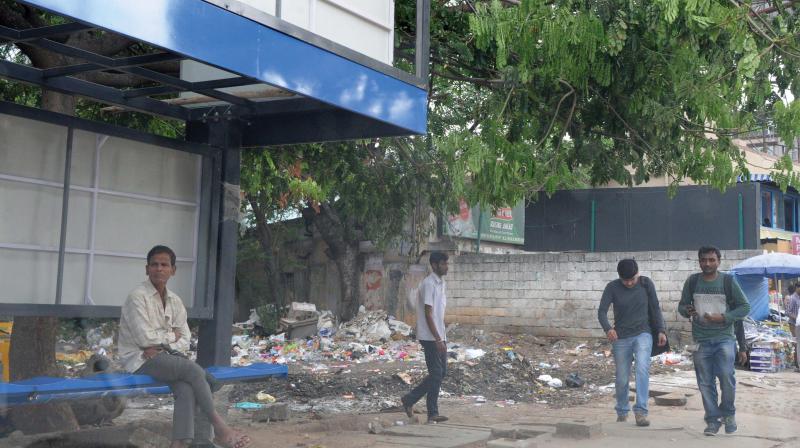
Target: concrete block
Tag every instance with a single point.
(273, 412)
(511, 443)
(148, 439)
(593, 256)
(579, 429)
(673, 399)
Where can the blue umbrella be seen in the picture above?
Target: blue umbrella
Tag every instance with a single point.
(774, 265)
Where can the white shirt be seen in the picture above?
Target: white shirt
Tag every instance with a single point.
(431, 292)
(145, 322)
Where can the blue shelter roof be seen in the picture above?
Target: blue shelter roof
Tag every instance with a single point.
(333, 92)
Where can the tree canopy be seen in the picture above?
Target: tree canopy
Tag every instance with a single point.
(621, 90)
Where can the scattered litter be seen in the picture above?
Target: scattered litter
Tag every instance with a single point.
(265, 397)
(574, 380)
(248, 405)
(404, 377)
(474, 353)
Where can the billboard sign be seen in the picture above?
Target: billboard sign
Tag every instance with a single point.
(502, 225)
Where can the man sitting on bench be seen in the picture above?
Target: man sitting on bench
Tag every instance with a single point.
(153, 334)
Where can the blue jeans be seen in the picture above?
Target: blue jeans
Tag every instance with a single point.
(437, 369)
(714, 360)
(625, 351)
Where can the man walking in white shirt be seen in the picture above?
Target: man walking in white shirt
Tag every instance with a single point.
(431, 303)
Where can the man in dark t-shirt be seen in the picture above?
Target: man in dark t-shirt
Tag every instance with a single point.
(636, 315)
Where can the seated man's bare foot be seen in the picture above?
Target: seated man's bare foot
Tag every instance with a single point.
(233, 439)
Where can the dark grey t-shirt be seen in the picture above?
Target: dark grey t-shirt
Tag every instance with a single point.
(632, 308)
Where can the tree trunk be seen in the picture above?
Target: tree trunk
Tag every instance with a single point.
(343, 250)
(271, 264)
(33, 341)
(33, 353)
(348, 263)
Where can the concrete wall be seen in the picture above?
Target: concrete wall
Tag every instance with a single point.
(557, 294)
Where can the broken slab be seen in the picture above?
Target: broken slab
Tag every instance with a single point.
(579, 429)
(511, 443)
(520, 430)
(272, 412)
(441, 435)
(673, 399)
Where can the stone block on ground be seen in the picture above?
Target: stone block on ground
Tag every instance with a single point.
(511, 443)
(673, 399)
(520, 430)
(273, 412)
(144, 438)
(579, 429)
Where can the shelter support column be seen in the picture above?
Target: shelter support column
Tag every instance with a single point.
(214, 339)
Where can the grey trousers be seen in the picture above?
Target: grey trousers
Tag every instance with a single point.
(193, 401)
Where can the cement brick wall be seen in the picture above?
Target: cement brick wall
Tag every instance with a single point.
(557, 294)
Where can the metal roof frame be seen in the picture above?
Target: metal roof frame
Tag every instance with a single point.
(237, 38)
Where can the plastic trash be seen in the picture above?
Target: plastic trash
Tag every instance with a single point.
(248, 405)
(474, 353)
(265, 397)
(278, 337)
(555, 382)
(574, 380)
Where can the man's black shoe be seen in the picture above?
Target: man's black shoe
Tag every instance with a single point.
(407, 408)
(712, 428)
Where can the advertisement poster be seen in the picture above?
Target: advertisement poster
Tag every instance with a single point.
(503, 225)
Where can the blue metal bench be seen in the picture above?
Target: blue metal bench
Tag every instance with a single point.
(46, 389)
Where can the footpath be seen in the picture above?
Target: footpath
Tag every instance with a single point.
(768, 409)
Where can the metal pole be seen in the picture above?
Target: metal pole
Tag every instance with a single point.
(592, 226)
(214, 339)
(64, 216)
(741, 223)
(480, 225)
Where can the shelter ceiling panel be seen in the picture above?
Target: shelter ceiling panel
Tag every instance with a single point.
(366, 36)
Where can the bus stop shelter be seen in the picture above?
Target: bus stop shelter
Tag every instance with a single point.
(82, 198)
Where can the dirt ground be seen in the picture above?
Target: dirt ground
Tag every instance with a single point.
(507, 373)
(334, 401)
(764, 401)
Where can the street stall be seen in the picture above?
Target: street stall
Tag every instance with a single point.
(770, 343)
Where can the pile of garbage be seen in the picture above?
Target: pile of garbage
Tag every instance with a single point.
(312, 337)
(80, 341)
(374, 326)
